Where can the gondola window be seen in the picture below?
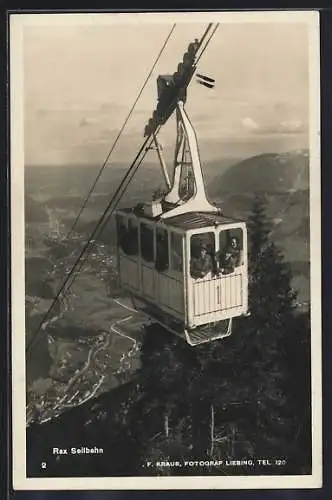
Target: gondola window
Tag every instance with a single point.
(176, 252)
(202, 249)
(147, 243)
(132, 237)
(162, 254)
(121, 228)
(127, 231)
(230, 250)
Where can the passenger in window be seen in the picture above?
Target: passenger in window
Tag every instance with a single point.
(201, 264)
(231, 257)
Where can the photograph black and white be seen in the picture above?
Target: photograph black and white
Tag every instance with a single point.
(165, 180)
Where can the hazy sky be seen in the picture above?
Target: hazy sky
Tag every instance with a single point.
(80, 82)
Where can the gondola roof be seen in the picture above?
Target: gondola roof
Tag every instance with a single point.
(189, 220)
(196, 220)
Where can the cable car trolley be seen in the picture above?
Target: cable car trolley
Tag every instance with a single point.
(183, 262)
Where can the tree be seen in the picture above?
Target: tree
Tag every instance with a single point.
(253, 372)
(297, 349)
(270, 290)
(169, 368)
(270, 331)
(239, 396)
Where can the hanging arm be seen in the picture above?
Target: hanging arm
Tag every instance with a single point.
(186, 138)
(162, 161)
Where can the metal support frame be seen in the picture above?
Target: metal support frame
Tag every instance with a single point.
(186, 145)
(162, 161)
(204, 339)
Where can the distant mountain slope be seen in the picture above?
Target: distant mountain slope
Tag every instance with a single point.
(283, 180)
(267, 173)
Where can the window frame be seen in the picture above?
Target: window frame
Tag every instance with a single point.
(133, 225)
(231, 231)
(158, 231)
(150, 227)
(181, 237)
(129, 224)
(202, 233)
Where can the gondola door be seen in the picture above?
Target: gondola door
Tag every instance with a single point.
(201, 290)
(169, 272)
(233, 269)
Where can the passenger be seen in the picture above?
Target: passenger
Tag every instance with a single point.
(201, 265)
(231, 257)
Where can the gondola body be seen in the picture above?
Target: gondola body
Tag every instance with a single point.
(161, 241)
(154, 267)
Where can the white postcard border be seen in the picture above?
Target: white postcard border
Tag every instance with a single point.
(20, 481)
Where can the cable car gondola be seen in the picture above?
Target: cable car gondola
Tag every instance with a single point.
(183, 262)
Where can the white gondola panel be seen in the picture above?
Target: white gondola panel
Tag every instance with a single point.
(169, 292)
(148, 282)
(129, 272)
(215, 295)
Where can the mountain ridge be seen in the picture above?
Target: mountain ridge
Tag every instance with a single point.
(254, 175)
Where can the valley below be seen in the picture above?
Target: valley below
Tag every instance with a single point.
(90, 344)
